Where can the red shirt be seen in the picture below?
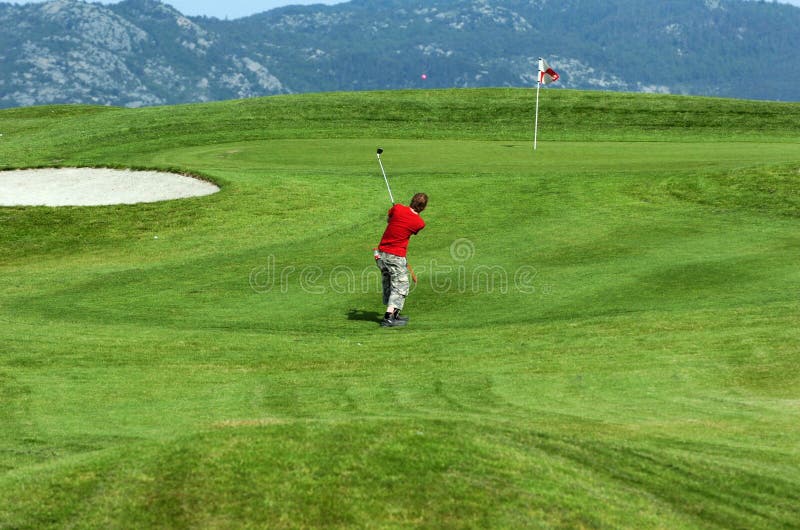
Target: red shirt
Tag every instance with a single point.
(403, 223)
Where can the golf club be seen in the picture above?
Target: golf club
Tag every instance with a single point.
(391, 197)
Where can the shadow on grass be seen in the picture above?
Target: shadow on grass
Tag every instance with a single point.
(364, 316)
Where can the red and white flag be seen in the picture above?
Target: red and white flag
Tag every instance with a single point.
(546, 74)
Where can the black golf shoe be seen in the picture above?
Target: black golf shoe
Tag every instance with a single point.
(393, 322)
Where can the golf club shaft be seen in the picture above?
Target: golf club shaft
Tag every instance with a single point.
(391, 197)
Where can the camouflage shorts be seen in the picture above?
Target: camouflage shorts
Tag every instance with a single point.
(395, 279)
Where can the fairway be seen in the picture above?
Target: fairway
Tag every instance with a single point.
(604, 333)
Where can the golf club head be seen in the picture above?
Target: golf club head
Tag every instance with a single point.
(380, 151)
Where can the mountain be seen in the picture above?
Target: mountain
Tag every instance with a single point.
(138, 52)
(144, 52)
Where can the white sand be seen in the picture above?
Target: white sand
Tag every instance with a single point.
(95, 187)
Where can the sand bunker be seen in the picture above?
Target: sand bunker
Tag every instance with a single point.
(95, 187)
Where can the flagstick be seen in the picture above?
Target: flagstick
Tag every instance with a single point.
(536, 127)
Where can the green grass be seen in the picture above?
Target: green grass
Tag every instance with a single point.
(604, 334)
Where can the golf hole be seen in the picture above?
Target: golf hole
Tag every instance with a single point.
(96, 187)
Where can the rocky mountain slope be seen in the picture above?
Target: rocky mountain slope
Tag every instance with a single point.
(144, 52)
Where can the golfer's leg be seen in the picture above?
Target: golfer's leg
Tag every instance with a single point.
(387, 286)
(400, 284)
(386, 280)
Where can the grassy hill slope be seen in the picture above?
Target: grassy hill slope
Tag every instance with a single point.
(603, 335)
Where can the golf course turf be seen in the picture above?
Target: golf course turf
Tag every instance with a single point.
(604, 333)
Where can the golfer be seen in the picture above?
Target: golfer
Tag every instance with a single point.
(403, 222)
